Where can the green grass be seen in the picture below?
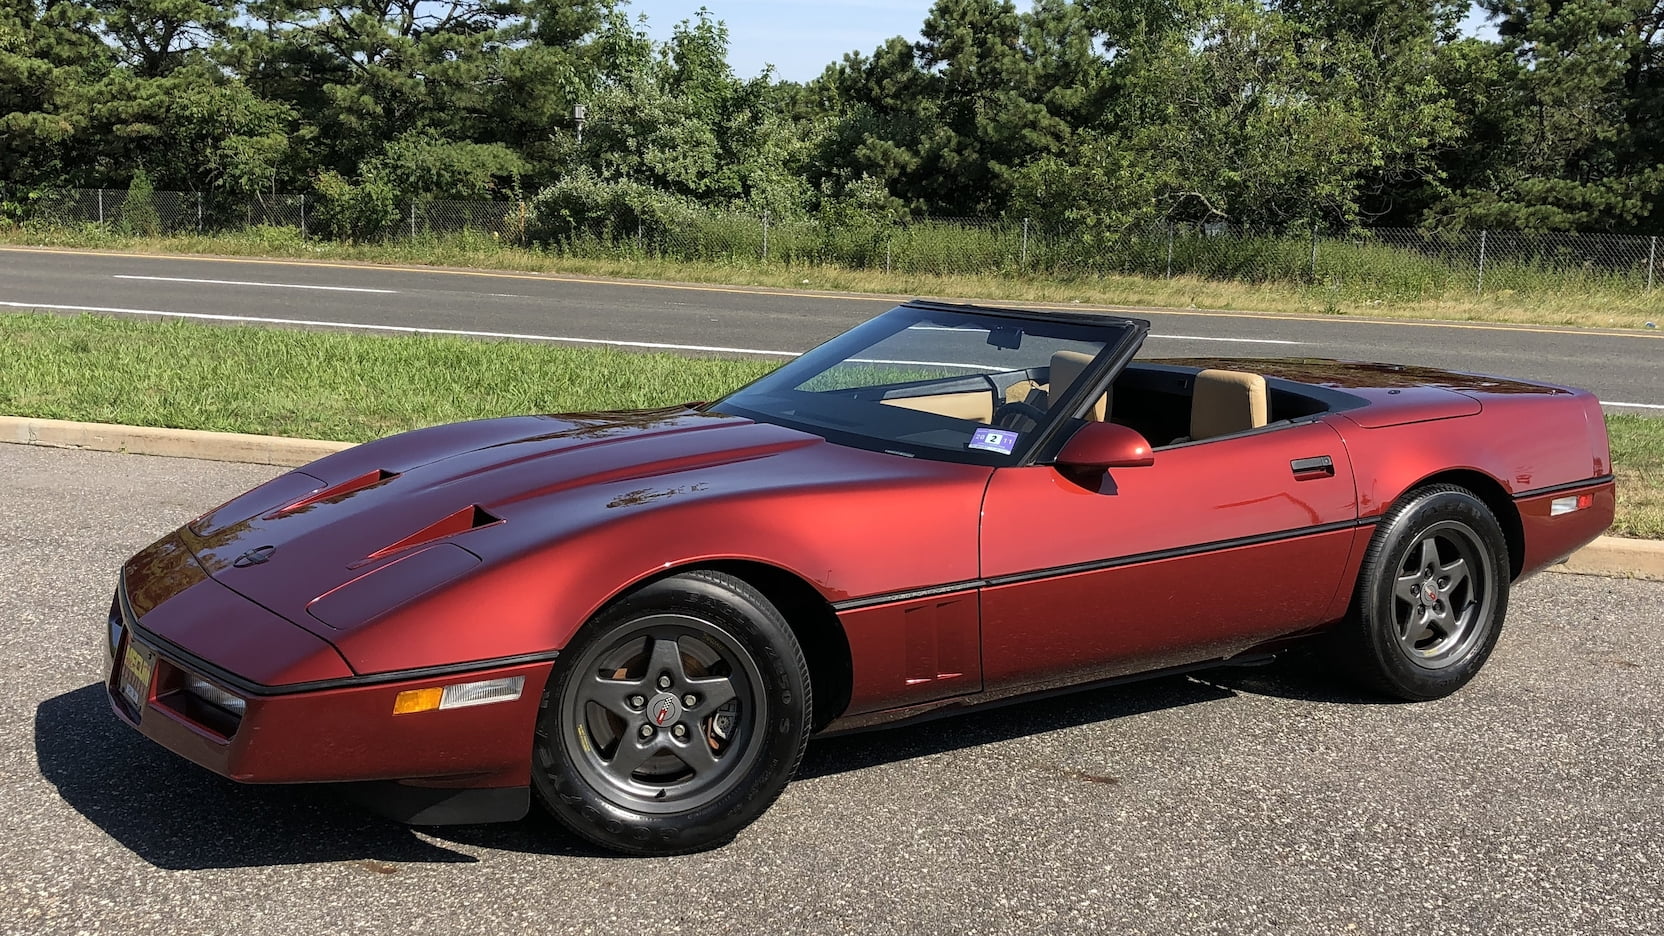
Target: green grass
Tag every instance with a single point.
(1638, 461)
(323, 385)
(329, 385)
(929, 260)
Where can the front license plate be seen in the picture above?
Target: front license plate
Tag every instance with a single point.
(136, 667)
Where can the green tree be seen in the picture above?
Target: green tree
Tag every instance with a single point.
(154, 37)
(1570, 117)
(50, 58)
(675, 119)
(1254, 115)
(949, 122)
(361, 74)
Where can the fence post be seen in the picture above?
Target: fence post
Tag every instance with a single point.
(889, 242)
(100, 206)
(1652, 260)
(303, 216)
(765, 236)
(1313, 267)
(199, 212)
(1169, 224)
(1480, 287)
(1024, 261)
(413, 219)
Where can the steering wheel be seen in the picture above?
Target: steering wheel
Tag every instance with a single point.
(1013, 416)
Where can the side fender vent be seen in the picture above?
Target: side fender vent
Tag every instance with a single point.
(468, 518)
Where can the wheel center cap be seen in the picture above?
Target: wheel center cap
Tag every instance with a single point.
(1432, 593)
(664, 709)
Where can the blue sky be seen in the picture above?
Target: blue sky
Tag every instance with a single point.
(798, 38)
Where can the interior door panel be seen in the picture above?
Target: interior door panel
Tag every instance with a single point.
(1216, 547)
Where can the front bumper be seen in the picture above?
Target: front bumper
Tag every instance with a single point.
(338, 730)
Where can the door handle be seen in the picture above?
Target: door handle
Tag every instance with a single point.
(1318, 466)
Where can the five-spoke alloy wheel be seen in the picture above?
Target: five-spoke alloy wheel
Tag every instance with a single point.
(1431, 595)
(674, 718)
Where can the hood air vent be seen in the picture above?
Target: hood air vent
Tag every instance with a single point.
(468, 518)
(351, 486)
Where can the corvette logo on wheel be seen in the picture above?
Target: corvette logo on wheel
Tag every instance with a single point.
(664, 711)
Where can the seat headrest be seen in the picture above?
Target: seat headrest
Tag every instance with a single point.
(1066, 368)
(1225, 402)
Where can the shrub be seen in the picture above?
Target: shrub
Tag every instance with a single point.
(353, 212)
(137, 214)
(582, 207)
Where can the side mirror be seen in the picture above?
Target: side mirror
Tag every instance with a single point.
(1097, 446)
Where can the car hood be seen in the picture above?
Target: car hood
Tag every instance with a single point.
(418, 497)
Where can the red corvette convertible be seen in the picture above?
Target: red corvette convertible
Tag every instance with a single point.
(640, 618)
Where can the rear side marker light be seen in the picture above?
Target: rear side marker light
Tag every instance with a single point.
(1566, 505)
(461, 695)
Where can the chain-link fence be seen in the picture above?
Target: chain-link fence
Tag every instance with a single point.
(1387, 263)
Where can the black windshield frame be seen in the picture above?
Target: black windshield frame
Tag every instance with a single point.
(1120, 337)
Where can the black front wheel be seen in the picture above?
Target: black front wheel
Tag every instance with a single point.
(674, 718)
(1431, 595)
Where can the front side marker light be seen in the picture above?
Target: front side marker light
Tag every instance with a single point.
(460, 695)
(215, 696)
(411, 701)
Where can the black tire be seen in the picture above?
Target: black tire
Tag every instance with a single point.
(1431, 596)
(622, 761)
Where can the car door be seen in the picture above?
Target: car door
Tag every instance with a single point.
(1213, 548)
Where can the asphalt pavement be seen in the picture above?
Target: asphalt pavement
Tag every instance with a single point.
(1623, 368)
(1265, 801)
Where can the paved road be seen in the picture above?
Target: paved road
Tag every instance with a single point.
(1244, 802)
(1623, 368)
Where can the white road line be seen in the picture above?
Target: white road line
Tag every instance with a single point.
(1657, 406)
(1276, 341)
(402, 329)
(209, 282)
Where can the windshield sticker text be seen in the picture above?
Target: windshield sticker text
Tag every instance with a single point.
(993, 440)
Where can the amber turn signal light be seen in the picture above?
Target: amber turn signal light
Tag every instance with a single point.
(417, 700)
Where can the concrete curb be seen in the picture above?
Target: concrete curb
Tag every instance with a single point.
(1613, 556)
(1608, 555)
(178, 443)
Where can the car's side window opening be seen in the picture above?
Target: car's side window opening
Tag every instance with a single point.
(1161, 402)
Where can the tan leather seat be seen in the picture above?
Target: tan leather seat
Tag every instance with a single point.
(1066, 368)
(1226, 402)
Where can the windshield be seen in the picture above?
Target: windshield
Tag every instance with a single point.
(932, 382)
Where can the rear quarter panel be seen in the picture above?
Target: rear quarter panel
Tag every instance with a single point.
(1530, 443)
(1524, 442)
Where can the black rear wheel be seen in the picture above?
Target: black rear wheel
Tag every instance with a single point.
(1431, 595)
(674, 718)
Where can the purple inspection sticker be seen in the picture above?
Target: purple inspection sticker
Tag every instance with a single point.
(994, 440)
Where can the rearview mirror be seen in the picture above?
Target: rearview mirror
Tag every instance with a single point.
(1097, 446)
(1006, 337)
